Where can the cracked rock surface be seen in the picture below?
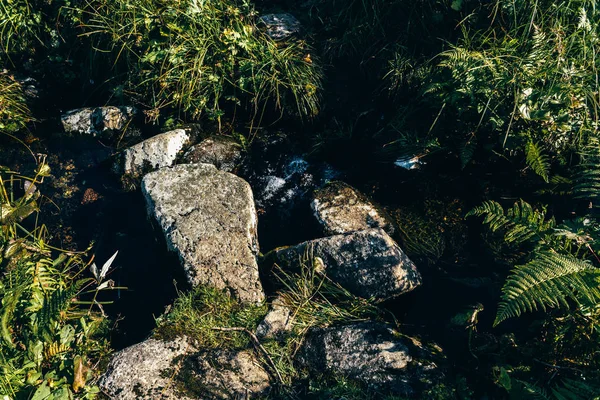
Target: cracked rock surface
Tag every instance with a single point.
(369, 263)
(340, 208)
(209, 219)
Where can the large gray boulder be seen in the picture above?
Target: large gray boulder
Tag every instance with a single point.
(221, 151)
(209, 220)
(373, 353)
(369, 263)
(96, 120)
(145, 370)
(175, 370)
(340, 208)
(159, 151)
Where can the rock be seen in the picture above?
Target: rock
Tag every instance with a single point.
(224, 374)
(96, 120)
(209, 220)
(277, 321)
(221, 151)
(173, 370)
(280, 26)
(340, 208)
(144, 370)
(159, 151)
(368, 263)
(372, 353)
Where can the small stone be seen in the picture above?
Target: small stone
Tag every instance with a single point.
(369, 263)
(340, 208)
(277, 321)
(280, 26)
(96, 120)
(221, 151)
(159, 151)
(209, 219)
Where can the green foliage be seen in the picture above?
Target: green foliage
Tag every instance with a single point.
(549, 280)
(197, 313)
(204, 56)
(48, 339)
(555, 272)
(14, 112)
(537, 160)
(519, 223)
(519, 81)
(28, 28)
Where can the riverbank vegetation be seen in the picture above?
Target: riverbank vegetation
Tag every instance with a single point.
(492, 106)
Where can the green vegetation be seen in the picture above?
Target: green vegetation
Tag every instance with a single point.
(493, 103)
(200, 57)
(14, 112)
(51, 336)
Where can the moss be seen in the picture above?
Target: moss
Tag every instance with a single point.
(195, 314)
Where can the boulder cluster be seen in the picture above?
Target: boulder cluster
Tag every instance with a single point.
(209, 220)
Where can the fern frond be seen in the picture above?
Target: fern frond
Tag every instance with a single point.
(57, 303)
(587, 180)
(521, 222)
(575, 390)
(493, 213)
(537, 160)
(548, 281)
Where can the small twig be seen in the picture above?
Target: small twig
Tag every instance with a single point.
(256, 344)
(556, 366)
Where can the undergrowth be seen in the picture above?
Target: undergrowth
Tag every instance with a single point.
(53, 330)
(204, 58)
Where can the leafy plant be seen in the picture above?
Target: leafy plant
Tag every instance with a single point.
(50, 336)
(556, 271)
(204, 56)
(14, 112)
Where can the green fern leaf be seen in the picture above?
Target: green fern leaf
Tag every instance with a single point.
(493, 213)
(537, 160)
(548, 281)
(520, 223)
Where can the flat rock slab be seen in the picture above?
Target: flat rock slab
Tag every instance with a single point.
(143, 371)
(159, 151)
(221, 151)
(95, 120)
(369, 263)
(175, 370)
(209, 219)
(340, 208)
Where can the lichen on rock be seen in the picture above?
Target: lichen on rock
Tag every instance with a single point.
(209, 219)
